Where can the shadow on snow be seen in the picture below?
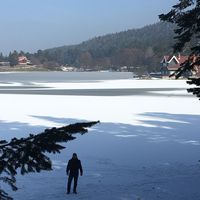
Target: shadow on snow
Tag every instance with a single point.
(135, 159)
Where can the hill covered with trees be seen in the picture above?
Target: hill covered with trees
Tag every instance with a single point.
(138, 49)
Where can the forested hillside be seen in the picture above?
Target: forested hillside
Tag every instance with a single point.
(140, 49)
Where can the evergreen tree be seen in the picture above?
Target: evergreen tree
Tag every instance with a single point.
(28, 154)
(186, 16)
(1, 57)
(13, 58)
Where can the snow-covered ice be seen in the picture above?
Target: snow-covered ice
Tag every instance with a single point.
(146, 146)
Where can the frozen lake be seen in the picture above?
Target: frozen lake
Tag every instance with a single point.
(146, 146)
(27, 77)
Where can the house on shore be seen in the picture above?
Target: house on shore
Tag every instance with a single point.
(23, 60)
(170, 64)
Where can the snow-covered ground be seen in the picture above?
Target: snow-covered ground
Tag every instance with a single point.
(146, 147)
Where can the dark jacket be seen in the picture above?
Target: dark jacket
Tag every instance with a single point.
(73, 166)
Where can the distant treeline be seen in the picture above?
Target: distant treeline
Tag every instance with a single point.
(138, 49)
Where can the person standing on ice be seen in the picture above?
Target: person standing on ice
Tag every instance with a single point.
(72, 170)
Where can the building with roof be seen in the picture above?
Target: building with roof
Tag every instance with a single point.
(23, 60)
(170, 64)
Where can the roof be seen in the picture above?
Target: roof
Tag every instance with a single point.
(173, 67)
(182, 59)
(22, 58)
(179, 59)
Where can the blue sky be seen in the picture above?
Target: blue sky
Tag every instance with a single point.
(30, 25)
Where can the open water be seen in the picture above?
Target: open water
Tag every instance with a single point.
(26, 77)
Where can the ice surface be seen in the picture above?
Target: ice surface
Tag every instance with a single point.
(146, 147)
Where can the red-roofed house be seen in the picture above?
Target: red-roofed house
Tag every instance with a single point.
(172, 63)
(23, 60)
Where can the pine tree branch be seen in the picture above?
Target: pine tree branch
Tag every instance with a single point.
(29, 154)
(185, 15)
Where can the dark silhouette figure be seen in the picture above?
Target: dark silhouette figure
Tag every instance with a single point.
(73, 167)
